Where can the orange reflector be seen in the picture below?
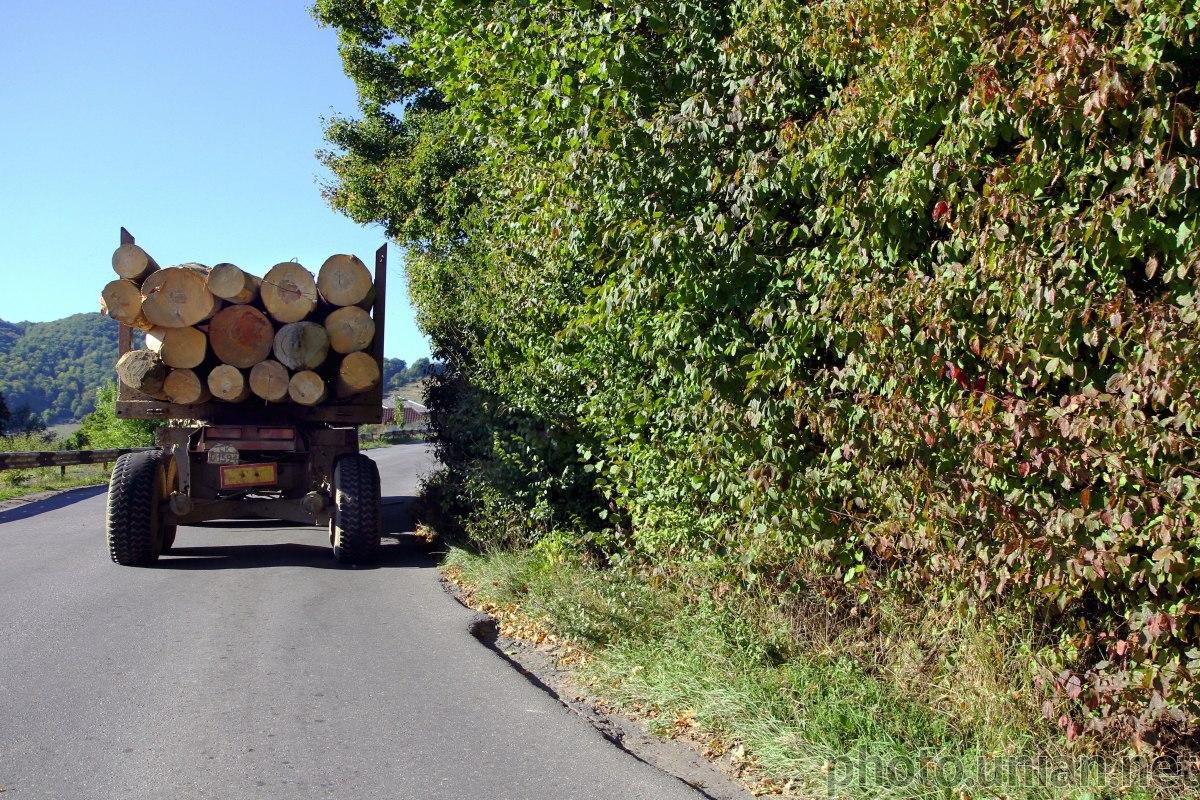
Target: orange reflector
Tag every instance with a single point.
(241, 476)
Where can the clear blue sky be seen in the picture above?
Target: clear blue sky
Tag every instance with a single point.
(193, 124)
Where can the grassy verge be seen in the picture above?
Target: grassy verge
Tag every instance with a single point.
(900, 706)
(16, 483)
(22, 482)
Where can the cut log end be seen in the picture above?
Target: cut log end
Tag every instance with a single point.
(229, 282)
(228, 383)
(241, 336)
(289, 292)
(184, 386)
(180, 348)
(350, 329)
(143, 371)
(269, 380)
(344, 280)
(122, 300)
(132, 262)
(176, 297)
(301, 345)
(358, 373)
(307, 388)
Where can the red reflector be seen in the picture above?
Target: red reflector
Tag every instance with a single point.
(276, 433)
(223, 433)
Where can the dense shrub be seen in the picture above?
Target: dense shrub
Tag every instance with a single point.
(898, 292)
(103, 430)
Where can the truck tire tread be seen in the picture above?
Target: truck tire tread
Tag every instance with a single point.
(131, 517)
(356, 518)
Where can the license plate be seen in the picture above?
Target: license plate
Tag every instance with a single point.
(245, 475)
(223, 454)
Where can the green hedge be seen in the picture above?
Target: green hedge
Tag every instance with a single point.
(895, 292)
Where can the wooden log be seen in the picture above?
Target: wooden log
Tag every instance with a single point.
(229, 282)
(344, 280)
(358, 373)
(176, 297)
(184, 386)
(288, 292)
(350, 329)
(132, 262)
(143, 371)
(307, 388)
(181, 348)
(269, 380)
(122, 300)
(301, 345)
(227, 383)
(241, 336)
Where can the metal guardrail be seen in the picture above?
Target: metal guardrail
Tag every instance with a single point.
(62, 458)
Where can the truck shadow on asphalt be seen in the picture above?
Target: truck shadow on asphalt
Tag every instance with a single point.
(24, 508)
(400, 548)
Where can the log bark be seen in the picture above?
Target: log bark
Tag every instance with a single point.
(176, 297)
(184, 386)
(301, 345)
(343, 280)
(288, 292)
(228, 383)
(307, 388)
(122, 300)
(229, 282)
(358, 373)
(350, 329)
(142, 371)
(241, 336)
(180, 348)
(269, 380)
(132, 262)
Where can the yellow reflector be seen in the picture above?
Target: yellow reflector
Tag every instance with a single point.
(243, 475)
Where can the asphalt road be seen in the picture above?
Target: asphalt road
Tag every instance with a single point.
(248, 665)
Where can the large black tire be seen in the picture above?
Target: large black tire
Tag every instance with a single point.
(132, 525)
(355, 526)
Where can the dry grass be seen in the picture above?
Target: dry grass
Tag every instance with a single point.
(900, 704)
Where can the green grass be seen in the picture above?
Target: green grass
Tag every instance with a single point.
(414, 391)
(16, 483)
(23, 482)
(906, 707)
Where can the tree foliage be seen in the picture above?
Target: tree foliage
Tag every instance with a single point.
(103, 430)
(898, 293)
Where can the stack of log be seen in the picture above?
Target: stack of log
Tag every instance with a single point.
(222, 333)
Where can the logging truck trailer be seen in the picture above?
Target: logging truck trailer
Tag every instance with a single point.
(249, 460)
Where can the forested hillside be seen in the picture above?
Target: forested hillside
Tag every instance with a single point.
(875, 304)
(56, 367)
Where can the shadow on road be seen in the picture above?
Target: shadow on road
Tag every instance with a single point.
(60, 500)
(399, 548)
(392, 554)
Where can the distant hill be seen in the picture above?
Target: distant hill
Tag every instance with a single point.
(55, 367)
